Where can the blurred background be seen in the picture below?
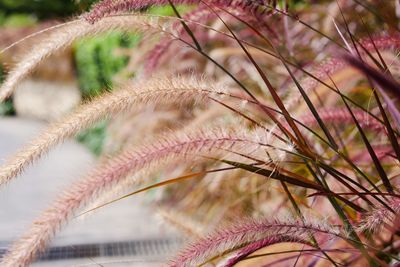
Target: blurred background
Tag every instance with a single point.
(124, 234)
(130, 232)
(80, 72)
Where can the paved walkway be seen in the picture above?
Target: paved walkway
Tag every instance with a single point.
(24, 198)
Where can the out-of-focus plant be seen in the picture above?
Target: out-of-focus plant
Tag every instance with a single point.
(25, 14)
(17, 20)
(7, 107)
(94, 137)
(44, 8)
(14, 20)
(269, 110)
(97, 61)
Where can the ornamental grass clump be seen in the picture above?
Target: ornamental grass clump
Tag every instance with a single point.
(274, 125)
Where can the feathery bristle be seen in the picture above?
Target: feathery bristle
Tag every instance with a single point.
(379, 217)
(244, 233)
(330, 66)
(109, 7)
(64, 36)
(201, 14)
(168, 149)
(132, 96)
(341, 116)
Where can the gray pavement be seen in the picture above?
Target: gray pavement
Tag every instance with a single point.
(25, 197)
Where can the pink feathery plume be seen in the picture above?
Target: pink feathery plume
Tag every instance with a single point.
(58, 38)
(322, 71)
(110, 7)
(380, 217)
(201, 14)
(384, 42)
(383, 152)
(227, 239)
(174, 148)
(343, 117)
(131, 96)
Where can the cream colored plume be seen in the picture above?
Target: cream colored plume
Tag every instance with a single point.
(63, 36)
(171, 149)
(131, 96)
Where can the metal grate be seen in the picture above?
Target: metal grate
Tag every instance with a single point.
(148, 247)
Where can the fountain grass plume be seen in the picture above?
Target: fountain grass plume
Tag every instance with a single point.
(172, 149)
(201, 14)
(328, 161)
(110, 7)
(132, 96)
(341, 116)
(64, 36)
(246, 232)
(380, 217)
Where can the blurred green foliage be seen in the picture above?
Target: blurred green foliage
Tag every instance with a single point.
(96, 64)
(44, 8)
(12, 20)
(97, 61)
(94, 137)
(96, 58)
(17, 20)
(168, 10)
(7, 107)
